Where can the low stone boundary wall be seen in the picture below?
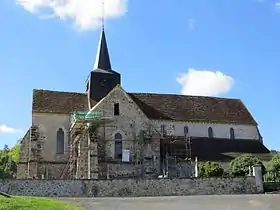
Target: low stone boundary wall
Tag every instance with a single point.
(129, 187)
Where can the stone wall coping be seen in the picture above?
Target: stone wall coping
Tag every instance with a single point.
(131, 179)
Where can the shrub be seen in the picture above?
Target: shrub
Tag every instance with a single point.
(240, 165)
(274, 163)
(210, 169)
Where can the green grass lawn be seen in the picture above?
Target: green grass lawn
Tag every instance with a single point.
(33, 203)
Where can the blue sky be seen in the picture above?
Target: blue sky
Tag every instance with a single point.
(214, 47)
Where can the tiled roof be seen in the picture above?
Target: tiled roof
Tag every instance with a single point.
(155, 106)
(192, 108)
(46, 101)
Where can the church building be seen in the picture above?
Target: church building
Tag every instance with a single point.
(106, 132)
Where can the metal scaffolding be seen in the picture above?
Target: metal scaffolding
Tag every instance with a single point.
(88, 149)
(82, 124)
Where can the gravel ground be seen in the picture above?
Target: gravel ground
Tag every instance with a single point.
(217, 202)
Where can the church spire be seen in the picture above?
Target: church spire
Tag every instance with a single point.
(102, 78)
(102, 60)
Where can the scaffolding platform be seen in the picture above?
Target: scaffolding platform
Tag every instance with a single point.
(80, 118)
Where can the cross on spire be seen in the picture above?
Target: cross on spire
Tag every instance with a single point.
(102, 14)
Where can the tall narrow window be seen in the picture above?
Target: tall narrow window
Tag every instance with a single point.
(231, 132)
(118, 146)
(60, 141)
(186, 130)
(116, 109)
(210, 132)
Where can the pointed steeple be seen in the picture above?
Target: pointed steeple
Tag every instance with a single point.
(102, 78)
(102, 60)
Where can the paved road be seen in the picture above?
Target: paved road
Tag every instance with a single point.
(217, 202)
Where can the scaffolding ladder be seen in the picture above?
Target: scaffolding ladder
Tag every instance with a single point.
(71, 163)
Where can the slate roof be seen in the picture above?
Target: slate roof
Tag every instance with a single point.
(155, 106)
(200, 147)
(214, 149)
(102, 60)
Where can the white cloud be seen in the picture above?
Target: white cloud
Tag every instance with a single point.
(86, 14)
(204, 82)
(6, 129)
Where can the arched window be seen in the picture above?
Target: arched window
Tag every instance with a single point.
(60, 141)
(186, 130)
(231, 133)
(118, 146)
(210, 132)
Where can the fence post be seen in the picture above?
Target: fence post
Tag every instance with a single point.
(196, 167)
(257, 173)
(251, 170)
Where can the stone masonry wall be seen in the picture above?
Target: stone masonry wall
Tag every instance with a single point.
(22, 171)
(129, 187)
(130, 121)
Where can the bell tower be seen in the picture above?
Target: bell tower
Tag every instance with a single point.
(102, 78)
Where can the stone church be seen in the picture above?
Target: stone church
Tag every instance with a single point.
(106, 132)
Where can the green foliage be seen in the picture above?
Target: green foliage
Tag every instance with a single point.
(210, 169)
(240, 165)
(271, 176)
(8, 161)
(14, 153)
(33, 203)
(274, 163)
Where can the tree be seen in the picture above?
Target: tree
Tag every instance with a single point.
(274, 163)
(14, 153)
(8, 161)
(210, 169)
(241, 164)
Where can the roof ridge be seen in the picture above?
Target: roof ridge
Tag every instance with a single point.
(58, 91)
(171, 94)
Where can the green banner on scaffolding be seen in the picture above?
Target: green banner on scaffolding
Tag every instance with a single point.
(79, 115)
